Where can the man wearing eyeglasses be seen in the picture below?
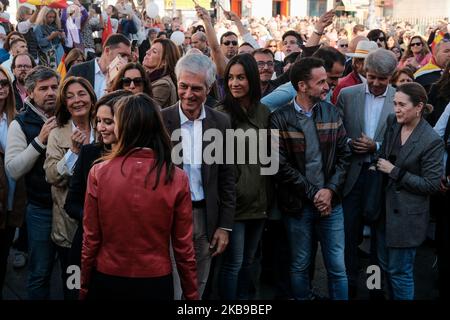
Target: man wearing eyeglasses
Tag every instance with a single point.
(265, 61)
(21, 65)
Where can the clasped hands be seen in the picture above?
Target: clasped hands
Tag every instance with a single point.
(322, 201)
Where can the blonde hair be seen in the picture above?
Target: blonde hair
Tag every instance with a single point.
(42, 17)
(10, 103)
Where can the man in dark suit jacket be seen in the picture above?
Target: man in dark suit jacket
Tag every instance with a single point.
(365, 108)
(98, 71)
(212, 185)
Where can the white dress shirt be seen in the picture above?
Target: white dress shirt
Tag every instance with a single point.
(192, 142)
(66, 166)
(440, 127)
(100, 81)
(372, 112)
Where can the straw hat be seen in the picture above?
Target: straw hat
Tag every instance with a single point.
(363, 48)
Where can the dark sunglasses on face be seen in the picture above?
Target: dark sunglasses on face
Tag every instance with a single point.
(227, 43)
(382, 39)
(416, 44)
(136, 81)
(4, 83)
(344, 45)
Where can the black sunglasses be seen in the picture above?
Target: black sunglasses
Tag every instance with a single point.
(416, 44)
(136, 81)
(4, 83)
(381, 39)
(227, 43)
(343, 45)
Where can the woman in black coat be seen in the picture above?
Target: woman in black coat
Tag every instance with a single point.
(88, 154)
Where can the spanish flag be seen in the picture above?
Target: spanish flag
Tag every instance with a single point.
(62, 68)
(437, 38)
(56, 4)
(107, 31)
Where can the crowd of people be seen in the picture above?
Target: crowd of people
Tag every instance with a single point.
(105, 126)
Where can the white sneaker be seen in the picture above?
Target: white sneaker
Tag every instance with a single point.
(20, 259)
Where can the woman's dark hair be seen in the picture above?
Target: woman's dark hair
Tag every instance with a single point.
(170, 55)
(7, 45)
(406, 70)
(408, 52)
(443, 84)
(109, 100)
(231, 104)
(140, 125)
(118, 81)
(62, 114)
(72, 56)
(374, 34)
(417, 94)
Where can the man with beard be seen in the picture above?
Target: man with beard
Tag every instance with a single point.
(21, 65)
(265, 61)
(313, 158)
(25, 155)
(365, 108)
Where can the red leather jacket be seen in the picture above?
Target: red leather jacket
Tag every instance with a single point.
(128, 226)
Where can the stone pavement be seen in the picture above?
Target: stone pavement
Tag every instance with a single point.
(425, 278)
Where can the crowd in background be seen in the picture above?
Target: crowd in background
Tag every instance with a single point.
(96, 101)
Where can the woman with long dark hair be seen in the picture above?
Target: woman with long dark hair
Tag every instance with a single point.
(137, 189)
(12, 193)
(105, 141)
(132, 77)
(411, 159)
(242, 103)
(439, 96)
(159, 62)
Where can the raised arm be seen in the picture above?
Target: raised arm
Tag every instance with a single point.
(244, 32)
(319, 28)
(218, 57)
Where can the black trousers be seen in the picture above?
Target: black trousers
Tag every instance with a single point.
(6, 239)
(107, 287)
(440, 205)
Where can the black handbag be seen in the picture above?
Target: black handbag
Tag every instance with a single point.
(373, 199)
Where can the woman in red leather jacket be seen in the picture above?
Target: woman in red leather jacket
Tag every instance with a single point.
(137, 201)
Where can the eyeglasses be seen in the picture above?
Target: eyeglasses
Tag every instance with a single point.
(261, 64)
(273, 46)
(22, 66)
(227, 43)
(344, 45)
(137, 81)
(4, 83)
(416, 44)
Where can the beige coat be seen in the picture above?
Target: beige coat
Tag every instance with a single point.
(59, 142)
(164, 91)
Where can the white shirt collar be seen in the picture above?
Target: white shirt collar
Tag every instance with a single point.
(381, 96)
(184, 119)
(91, 138)
(97, 68)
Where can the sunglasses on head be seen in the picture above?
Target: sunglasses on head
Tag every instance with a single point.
(227, 43)
(4, 83)
(136, 81)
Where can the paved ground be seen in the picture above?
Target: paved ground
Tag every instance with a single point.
(425, 277)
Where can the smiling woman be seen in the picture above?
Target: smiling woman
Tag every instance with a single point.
(75, 102)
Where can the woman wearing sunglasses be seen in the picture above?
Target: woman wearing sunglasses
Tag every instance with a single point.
(417, 54)
(132, 77)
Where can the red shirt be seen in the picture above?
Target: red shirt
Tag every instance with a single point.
(128, 225)
(352, 79)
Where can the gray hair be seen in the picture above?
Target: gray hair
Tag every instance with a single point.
(201, 36)
(39, 73)
(381, 61)
(196, 63)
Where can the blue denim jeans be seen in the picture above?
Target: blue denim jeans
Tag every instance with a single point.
(330, 231)
(398, 265)
(235, 272)
(41, 251)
